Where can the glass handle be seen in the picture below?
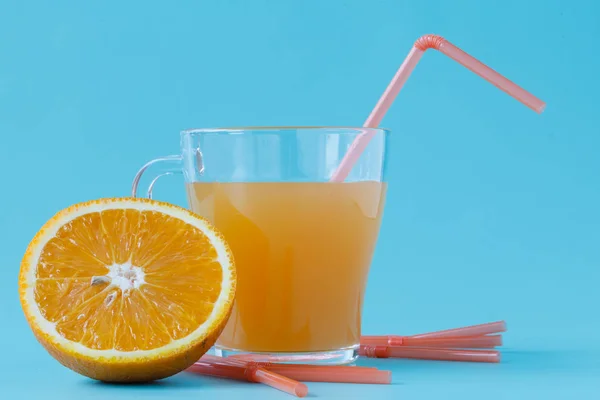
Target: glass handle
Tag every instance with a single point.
(159, 167)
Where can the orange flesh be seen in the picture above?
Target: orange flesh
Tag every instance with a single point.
(175, 295)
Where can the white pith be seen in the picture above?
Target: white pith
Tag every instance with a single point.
(126, 277)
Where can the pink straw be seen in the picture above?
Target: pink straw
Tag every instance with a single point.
(310, 373)
(214, 366)
(474, 330)
(333, 374)
(384, 103)
(220, 371)
(466, 342)
(428, 353)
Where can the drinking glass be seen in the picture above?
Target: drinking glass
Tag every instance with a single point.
(302, 245)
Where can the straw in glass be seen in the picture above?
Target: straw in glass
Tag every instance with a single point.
(429, 353)
(384, 103)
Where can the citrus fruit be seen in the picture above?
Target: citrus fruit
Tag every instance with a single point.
(127, 290)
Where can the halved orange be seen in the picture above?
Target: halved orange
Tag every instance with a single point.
(127, 290)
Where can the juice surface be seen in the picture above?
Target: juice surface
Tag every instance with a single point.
(302, 253)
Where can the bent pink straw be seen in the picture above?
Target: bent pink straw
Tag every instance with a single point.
(384, 103)
(250, 372)
(474, 330)
(466, 342)
(428, 353)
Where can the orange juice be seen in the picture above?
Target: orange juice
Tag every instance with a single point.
(302, 252)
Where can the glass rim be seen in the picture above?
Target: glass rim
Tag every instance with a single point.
(273, 129)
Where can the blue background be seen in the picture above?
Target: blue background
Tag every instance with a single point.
(493, 211)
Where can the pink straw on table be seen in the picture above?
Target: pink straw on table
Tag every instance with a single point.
(384, 103)
(460, 342)
(428, 353)
(220, 371)
(474, 330)
(333, 374)
(307, 372)
(250, 372)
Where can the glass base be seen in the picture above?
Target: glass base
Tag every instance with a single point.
(342, 356)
